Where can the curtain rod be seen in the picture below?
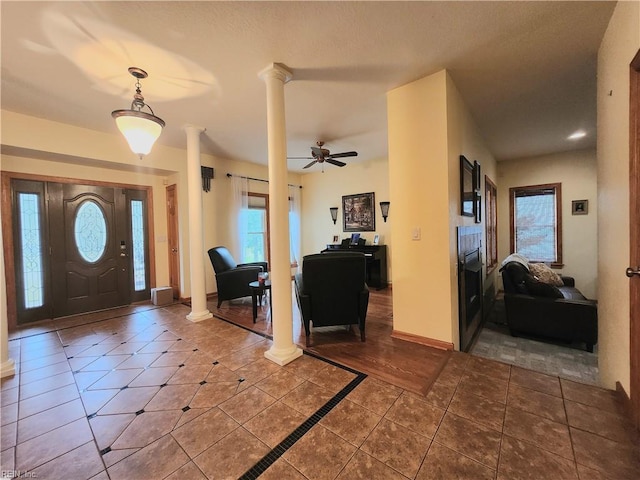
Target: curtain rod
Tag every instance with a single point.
(258, 179)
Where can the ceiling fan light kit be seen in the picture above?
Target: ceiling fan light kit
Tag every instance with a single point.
(321, 155)
(139, 128)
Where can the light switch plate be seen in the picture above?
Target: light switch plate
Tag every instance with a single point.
(415, 233)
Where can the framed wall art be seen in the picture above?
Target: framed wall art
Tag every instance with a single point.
(359, 213)
(579, 207)
(467, 193)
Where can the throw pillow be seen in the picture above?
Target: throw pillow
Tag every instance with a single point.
(544, 273)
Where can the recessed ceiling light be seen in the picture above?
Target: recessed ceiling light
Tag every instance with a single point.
(577, 135)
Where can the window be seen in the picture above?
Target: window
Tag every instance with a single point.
(536, 222)
(31, 250)
(256, 247)
(138, 246)
(491, 222)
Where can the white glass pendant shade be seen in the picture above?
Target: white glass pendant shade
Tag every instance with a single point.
(140, 129)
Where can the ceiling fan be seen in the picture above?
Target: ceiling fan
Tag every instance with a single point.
(321, 155)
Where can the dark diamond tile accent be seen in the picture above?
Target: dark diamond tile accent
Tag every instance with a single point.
(104, 451)
(181, 365)
(178, 340)
(140, 412)
(163, 385)
(186, 409)
(89, 417)
(269, 459)
(125, 387)
(165, 351)
(216, 362)
(69, 358)
(194, 350)
(203, 382)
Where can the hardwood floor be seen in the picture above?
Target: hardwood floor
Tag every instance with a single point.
(405, 364)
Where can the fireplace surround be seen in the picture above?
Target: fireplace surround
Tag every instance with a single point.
(470, 291)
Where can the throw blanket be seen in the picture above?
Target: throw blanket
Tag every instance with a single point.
(516, 257)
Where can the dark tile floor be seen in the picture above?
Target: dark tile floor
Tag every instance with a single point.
(146, 394)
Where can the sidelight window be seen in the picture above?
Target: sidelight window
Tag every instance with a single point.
(31, 250)
(137, 233)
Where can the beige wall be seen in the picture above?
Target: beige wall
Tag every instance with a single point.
(620, 44)
(577, 173)
(33, 145)
(324, 190)
(464, 138)
(429, 128)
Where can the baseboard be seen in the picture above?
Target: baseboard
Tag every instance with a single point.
(627, 405)
(429, 342)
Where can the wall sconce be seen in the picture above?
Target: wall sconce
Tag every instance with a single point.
(384, 208)
(334, 214)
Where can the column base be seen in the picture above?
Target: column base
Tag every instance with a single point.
(282, 357)
(199, 316)
(8, 368)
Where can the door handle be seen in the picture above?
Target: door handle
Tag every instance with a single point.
(174, 250)
(630, 272)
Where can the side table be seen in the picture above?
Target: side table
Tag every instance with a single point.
(257, 290)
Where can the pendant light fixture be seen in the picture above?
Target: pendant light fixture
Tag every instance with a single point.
(141, 129)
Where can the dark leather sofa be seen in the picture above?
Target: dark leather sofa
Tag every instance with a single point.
(541, 310)
(331, 290)
(233, 279)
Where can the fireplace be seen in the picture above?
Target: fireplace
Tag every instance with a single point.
(470, 292)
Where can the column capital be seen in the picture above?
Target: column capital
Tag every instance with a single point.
(193, 128)
(277, 71)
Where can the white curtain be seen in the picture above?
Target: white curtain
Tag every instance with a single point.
(239, 217)
(294, 226)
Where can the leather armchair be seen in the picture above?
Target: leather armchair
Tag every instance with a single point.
(233, 279)
(331, 290)
(560, 313)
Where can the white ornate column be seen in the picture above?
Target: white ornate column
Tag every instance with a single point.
(283, 349)
(7, 365)
(199, 309)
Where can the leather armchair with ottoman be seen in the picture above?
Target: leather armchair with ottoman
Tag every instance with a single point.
(543, 310)
(331, 290)
(233, 279)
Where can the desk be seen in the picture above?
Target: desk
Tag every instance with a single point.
(257, 290)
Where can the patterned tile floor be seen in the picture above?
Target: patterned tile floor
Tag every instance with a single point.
(147, 394)
(567, 361)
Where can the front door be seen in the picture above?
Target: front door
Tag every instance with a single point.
(88, 248)
(77, 248)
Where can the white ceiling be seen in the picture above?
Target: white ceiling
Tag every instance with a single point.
(527, 70)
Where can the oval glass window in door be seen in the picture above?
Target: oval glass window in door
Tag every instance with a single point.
(90, 231)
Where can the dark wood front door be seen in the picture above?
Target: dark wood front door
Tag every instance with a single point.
(74, 247)
(89, 243)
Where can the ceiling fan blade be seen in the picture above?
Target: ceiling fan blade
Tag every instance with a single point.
(335, 162)
(344, 154)
(310, 164)
(299, 158)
